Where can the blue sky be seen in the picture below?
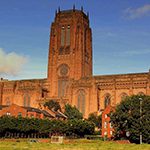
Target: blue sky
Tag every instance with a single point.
(121, 35)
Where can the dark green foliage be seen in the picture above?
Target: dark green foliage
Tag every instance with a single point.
(79, 128)
(31, 127)
(97, 120)
(72, 112)
(127, 118)
(52, 105)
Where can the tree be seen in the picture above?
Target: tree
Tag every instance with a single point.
(33, 127)
(53, 105)
(72, 112)
(78, 128)
(128, 119)
(96, 119)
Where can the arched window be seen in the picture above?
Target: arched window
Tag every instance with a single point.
(26, 100)
(63, 71)
(107, 100)
(62, 36)
(8, 101)
(65, 40)
(68, 36)
(81, 101)
(123, 96)
(62, 87)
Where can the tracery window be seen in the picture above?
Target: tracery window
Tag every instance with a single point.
(123, 96)
(107, 100)
(81, 101)
(63, 71)
(62, 36)
(62, 87)
(8, 101)
(65, 40)
(26, 100)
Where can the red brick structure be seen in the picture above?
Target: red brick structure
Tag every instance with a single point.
(16, 111)
(107, 130)
(30, 112)
(70, 78)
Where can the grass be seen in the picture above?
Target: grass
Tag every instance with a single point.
(81, 144)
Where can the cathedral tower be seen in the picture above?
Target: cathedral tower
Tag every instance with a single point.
(70, 50)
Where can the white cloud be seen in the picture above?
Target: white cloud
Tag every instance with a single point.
(134, 13)
(11, 63)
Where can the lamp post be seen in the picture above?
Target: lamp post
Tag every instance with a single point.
(140, 119)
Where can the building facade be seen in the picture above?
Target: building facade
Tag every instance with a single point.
(69, 77)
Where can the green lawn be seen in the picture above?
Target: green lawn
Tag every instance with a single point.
(81, 144)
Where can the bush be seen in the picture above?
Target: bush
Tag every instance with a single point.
(97, 120)
(31, 127)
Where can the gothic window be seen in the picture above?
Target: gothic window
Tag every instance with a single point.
(62, 87)
(62, 36)
(81, 101)
(65, 40)
(123, 96)
(68, 36)
(63, 71)
(8, 101)
(26, 100)
(107, 100)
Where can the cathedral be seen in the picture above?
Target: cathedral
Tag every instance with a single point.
(69, 75)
